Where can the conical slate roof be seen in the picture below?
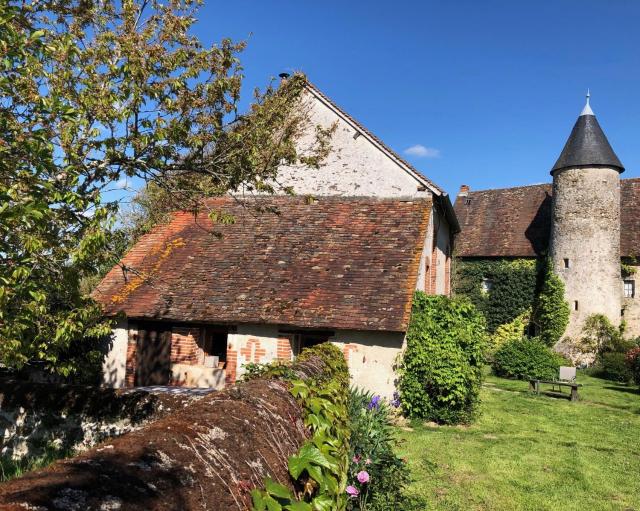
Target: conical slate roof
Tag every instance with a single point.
(587, 145)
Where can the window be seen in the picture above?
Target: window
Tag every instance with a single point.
(566, 263)
(629, 288)
(487, 285)
(575, 305)
(213, 343)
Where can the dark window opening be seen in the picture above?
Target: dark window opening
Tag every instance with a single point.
(575, 305)
(301, 341)
(467, 202)
(566, 263)
(213, 346)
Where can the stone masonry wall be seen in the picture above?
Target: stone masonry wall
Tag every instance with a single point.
(586, 232)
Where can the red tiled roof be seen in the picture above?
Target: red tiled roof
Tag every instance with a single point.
(516, 222)
(347, 263)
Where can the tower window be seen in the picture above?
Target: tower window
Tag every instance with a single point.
(575, 305)
(487, 285)
(566, 263)
(629, 288)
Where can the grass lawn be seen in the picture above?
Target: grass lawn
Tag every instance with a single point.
(528, 452)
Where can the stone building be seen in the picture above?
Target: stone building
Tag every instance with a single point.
(587, 221)
(201, 301)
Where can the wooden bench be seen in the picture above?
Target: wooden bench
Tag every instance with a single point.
(534, 386)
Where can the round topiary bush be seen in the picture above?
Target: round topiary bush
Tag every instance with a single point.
(527, 358)
(440, 373)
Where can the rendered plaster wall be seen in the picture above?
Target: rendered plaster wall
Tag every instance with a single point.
(355, 165)
(371, 357)
(586, 231)
(113, 366)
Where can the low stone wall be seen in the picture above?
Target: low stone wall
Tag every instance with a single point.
(205, 456)
(35, 417)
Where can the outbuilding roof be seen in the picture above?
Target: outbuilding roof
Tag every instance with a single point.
(516, 222)
(331, 262)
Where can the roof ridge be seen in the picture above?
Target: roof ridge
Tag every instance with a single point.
(375, 138)
(509, 188)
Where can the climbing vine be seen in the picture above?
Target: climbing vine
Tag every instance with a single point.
(550, 310)
(320, 468)
(509, 287)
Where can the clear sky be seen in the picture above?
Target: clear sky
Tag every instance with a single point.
(490, 88)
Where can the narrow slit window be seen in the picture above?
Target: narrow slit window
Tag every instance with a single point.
(566, 263)
(575, 305)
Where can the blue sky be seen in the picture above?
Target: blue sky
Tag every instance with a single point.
(493, 87)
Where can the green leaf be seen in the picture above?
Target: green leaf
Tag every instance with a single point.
(298, 506)
(277, 489)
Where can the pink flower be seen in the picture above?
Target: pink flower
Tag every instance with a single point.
(356, 459)
(363, 476)
(353, 491)
(367, 461)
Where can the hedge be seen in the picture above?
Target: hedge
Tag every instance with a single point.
(527, 358)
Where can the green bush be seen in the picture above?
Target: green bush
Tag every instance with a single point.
(527, 358)
(633, 363)
(513, 331)
(372, 446)
(440, 372)
(613, 366)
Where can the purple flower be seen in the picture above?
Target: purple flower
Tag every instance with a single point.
(395, 402)
(363, 476)
(352, 491)
(374, 403)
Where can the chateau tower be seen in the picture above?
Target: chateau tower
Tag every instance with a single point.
(585, 230)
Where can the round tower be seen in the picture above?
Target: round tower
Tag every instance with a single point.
(585, 228)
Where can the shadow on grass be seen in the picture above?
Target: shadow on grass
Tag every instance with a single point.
(621, 388)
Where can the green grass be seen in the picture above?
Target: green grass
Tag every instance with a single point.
(528, 452)
(10, 469)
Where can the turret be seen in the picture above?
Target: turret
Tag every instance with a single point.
(585, 231)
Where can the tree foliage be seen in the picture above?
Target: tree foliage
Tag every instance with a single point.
(94, 92)
(551, 311)
(440, 373)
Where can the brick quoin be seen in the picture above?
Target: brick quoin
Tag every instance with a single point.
(231, 369)
(131, 364)
(184, 345)
(347, 349)
(447, 275)
(251, 354)
(284, 349)
(433, 273)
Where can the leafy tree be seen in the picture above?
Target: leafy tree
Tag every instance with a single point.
(93, 92)
(551, 311)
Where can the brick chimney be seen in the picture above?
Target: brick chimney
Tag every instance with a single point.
(464, 191)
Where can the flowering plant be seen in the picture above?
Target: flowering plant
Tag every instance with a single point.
(377, 477)
(632, 358)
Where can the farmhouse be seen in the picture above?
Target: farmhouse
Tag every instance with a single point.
(338, 262)
(587, 221)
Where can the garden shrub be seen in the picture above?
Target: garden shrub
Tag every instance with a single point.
(550, 311)
(633, 363)
(440, 372)
(508, 332)
(527, 358)
(377, 477)
(319, 469)
(512, 292)
(610, 346)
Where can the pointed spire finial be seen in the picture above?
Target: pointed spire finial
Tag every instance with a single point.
(587, 108)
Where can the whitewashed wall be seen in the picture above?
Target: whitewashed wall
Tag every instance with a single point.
(114, 364)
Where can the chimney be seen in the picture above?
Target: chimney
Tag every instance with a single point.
(464, 191)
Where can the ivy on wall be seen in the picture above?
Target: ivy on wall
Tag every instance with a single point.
(512, 284)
